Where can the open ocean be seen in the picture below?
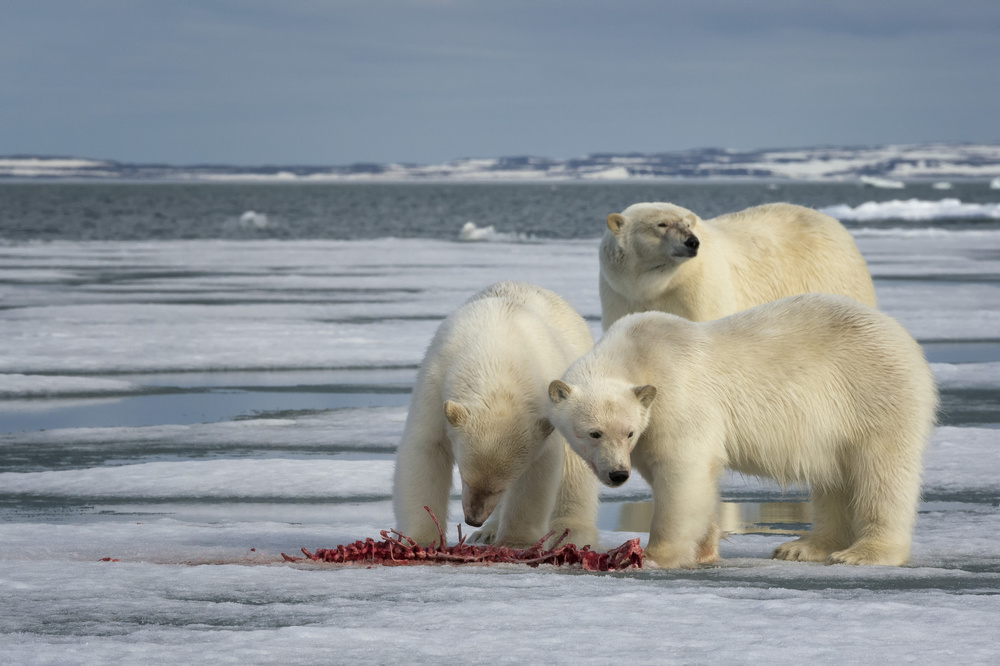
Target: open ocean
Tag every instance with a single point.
(172, 211)
(195, 378)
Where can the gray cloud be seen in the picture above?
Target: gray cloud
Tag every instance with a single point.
(335, 82)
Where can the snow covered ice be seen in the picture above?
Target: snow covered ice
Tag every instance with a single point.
(192, 409)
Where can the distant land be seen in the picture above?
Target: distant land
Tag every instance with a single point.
(881, 166)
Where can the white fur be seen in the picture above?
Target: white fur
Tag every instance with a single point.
(814, 389)
(481, 401)
(741, 260)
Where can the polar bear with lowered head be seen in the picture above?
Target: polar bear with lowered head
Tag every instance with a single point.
(481, 402)
(659, 256)
(813, 389)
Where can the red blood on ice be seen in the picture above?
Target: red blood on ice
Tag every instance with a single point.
(398, 549)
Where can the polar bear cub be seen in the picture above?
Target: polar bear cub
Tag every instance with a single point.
(480, 401)
(659, 256)
(814, 389)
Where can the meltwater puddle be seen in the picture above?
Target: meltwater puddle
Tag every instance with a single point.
(185, 398)
(787, 517)
(208, 406)
(962, 351)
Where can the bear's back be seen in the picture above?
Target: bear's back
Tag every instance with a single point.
(758, 356)
(508, 326)
(548, 307)
(829, 345)
(780, 249)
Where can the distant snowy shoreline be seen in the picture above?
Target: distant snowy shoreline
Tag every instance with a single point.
(881, 166)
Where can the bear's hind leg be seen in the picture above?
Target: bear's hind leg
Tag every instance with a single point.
(831, 529)
(885, 509)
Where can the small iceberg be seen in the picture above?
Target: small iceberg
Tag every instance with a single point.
(995, 183)
(882, 183)
(942, 186)
(253, 220)
(471, 233)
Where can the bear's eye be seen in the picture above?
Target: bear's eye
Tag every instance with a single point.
(630, 434)
(595, 434)
(662, 225)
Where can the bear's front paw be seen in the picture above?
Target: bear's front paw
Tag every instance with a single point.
(802, 550)
(484, 536)
(672, 557)
(579, 535)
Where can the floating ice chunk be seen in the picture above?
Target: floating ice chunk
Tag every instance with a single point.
(995, 183)
(882, 183)
(942, 186)
(471, 233)
(253, 220)
(913, 209)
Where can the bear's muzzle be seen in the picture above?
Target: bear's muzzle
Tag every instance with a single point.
(478, 504)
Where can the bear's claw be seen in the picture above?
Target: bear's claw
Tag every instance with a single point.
(801, 550)
(484, 536)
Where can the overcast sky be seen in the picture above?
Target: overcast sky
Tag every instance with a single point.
(302, 82)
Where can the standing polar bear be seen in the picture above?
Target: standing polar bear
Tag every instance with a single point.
(815, 389)
(658, 256)
(481, 401)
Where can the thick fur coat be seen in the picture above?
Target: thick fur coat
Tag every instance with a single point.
(659, 256)
(812, 389)
(480, 402)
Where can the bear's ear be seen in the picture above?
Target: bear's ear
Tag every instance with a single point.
(615, 223)
(455, 413)
(559, 391)
(646, 394)
(545, 427)
(691, 219)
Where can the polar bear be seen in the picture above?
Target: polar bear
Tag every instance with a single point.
(659, 256)
(814, 389)
(481, 401)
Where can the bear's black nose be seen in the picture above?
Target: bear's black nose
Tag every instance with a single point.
(692, 243)
(618, 478)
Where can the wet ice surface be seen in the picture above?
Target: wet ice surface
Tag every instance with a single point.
(217, 403)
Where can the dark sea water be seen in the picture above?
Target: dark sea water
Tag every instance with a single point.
(137, 211)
